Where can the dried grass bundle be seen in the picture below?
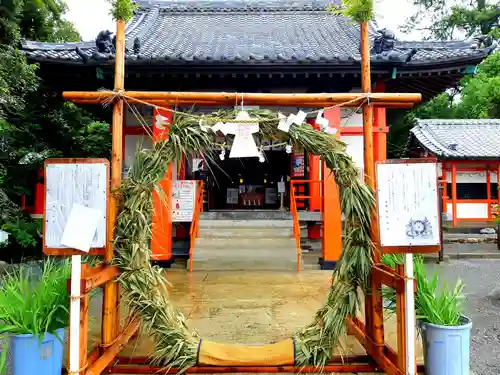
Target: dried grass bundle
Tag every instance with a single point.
(144, 285)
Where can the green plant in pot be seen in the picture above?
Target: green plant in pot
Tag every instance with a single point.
(440, 320)
(34, 313)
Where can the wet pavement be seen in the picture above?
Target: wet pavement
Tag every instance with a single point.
(245, 307)
(482, 290)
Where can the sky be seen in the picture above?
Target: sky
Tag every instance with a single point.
(92, 16)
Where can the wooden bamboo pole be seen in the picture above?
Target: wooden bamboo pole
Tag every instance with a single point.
(270, 103)
(110, 300)
(345, 368)
(221, 98)
(84, 324)
(373, 304)
(401, 323)
(110, 353)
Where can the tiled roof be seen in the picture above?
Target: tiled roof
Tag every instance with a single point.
(459, 139)
(250, 31)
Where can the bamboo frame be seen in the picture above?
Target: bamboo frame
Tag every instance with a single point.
(211, 103)
(222, 98)
(370, 335)
(111, 303)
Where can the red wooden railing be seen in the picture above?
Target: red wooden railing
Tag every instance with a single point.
(193, 232)
(296, 224)
(295, 213)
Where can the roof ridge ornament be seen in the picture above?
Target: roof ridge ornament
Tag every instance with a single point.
(383, 48)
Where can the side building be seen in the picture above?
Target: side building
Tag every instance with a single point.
(469, 155)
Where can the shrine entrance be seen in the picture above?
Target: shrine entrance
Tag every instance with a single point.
(247, 183)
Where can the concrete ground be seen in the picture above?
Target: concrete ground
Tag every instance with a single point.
(245, 307)
(482, 288)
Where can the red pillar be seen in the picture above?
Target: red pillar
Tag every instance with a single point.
(314, 175)
(39, 194)
(454, 193)
(498, 184)
(314, 229)
(161, 241)
(332, 214)
(488, 190)
(444, 192)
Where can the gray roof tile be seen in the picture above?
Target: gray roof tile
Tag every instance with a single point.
(460, 139)
(250, 31)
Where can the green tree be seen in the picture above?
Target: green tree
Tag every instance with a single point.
(40, 20)
(446, 19)
(478, 97)
(34, 122)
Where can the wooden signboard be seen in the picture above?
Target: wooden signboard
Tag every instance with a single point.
(408, 206)
(70, 181)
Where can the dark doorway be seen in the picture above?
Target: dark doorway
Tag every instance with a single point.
(246, 183)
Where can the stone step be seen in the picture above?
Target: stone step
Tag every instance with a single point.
(245, 232)
(245, 224)
(246, 265)
(241, 253)
(235, 243)
(246, 215)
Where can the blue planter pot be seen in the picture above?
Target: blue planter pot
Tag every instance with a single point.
(446, 348)
(29, 356)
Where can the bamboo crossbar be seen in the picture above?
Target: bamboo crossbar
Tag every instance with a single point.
(141, 365)
(270, 99)
(188, 103)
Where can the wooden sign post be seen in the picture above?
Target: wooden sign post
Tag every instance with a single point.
(72, 184)
(409, 222)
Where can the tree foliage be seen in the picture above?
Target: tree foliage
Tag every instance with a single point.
(356, 10)
(477, 98)
(447, 19)
(40, 20)
(122, 9)
(34, 122)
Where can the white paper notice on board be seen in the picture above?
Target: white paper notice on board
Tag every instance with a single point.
(81, 228)
(68, 184)
(183, 198)
(408, 204)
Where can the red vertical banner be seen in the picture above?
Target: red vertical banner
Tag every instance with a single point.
(161, 241)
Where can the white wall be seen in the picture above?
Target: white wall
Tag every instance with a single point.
(354, 148)
(470, 210)
(132, 142)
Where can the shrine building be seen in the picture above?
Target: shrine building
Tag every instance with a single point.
(468, 152)
(267, 46)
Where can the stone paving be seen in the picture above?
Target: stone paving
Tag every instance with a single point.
(245, 307)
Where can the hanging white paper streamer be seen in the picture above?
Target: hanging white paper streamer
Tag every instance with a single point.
(161, 121)
(300, 117)
(243, 144)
